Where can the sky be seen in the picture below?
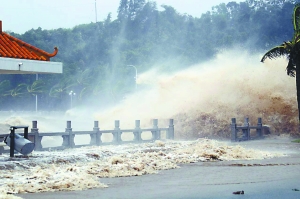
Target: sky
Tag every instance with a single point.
(22, 15)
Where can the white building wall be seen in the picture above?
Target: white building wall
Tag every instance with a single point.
(24, 66)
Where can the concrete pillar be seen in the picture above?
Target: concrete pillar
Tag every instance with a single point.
(170, 134)
(71, 136)
(96, 136)
(117, 133)
(137, 131)
(155, 132)
(246, 130)
(37, 138)
(259, 128)
(233, 130)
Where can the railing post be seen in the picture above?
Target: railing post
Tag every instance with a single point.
(246, 131)
(71, 135)
(137, 131)
(233, 130)
(93, 136)
(259, 128)
(12, 142)
(37, 138)
(170, 134)
(117, 133)
(96, 136)
(65, 139)
(1, 150)
(26, 133)
(155, 132)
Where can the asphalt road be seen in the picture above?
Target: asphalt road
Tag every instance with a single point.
(261, 179)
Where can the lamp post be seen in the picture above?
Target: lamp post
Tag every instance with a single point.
(136, 75)
(96, 10)
(36, 97)
(71, 93)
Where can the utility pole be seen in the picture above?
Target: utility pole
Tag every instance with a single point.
(71, 95)
(96, 10)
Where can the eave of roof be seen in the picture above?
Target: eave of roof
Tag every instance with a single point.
(11, 47)
(25, 66)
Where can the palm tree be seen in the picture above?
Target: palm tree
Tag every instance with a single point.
(61, 88)
(4, 86)
(290, 49)
(36, 87)
(19, 91)
(84, 80)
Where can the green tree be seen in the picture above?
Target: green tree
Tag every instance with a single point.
(4, 87)
(37, 87)
(291, 49)
(19, 91)
(61, 89)
(123, 10)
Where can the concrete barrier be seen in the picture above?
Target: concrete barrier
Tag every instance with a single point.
(68, 135)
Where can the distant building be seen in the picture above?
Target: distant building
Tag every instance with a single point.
(19, 57)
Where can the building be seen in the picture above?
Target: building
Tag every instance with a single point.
(19, 57)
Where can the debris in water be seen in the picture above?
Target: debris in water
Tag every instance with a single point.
(238, 192)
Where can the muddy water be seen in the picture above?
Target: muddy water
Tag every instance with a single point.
(203, 98)
(80, 169)
(259, 178)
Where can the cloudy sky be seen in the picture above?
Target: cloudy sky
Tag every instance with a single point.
(22, 15)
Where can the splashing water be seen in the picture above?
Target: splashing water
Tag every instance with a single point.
(203, 98)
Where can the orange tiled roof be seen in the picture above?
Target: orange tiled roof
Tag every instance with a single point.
(12, 47)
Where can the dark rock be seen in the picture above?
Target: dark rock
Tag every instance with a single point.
(238, 192)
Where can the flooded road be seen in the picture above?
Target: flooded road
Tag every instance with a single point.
(197, 181)
(267, 178)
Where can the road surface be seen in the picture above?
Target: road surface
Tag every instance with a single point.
(269, 178)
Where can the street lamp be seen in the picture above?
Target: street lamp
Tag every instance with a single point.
(36, 97)
(71, 93)
(136, 75)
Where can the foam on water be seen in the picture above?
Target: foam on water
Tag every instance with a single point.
(83, 168)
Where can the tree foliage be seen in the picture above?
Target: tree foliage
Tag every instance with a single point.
(290, 49)
(95, 55)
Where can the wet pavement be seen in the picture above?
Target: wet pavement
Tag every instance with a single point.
(269, 178)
